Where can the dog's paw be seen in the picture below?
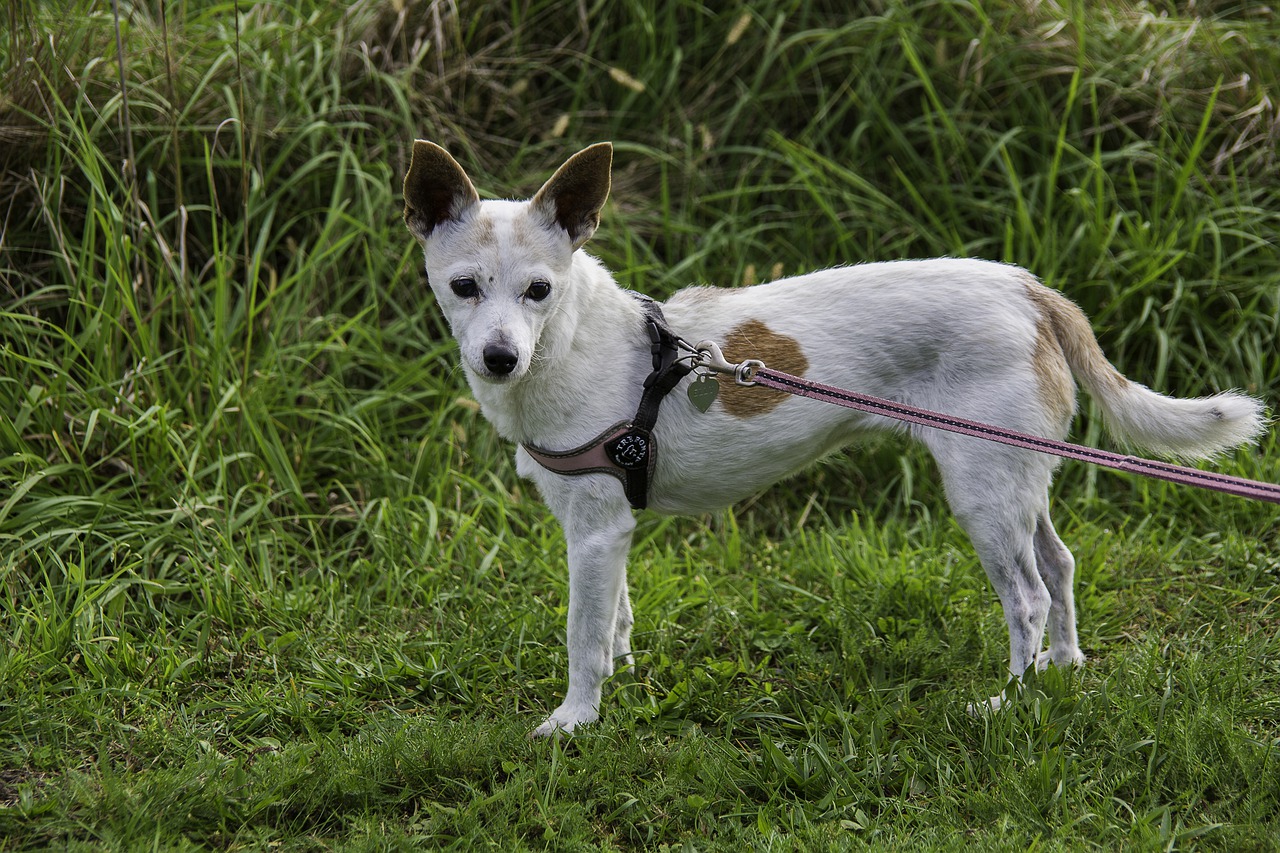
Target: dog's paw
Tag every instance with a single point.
(977, 709)
(1010, 693)
(1061, 658)
(563, 721)
(1073, 658)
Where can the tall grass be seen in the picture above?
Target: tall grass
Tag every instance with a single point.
(267, 578)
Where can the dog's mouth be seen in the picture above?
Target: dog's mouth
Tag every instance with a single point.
(496, 379)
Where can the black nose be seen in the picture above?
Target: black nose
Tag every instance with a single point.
(499, 360)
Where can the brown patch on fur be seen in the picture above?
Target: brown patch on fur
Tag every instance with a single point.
(484, 230)
(1065, 344)
(754, 339)
(1053, 377)
(698, 295)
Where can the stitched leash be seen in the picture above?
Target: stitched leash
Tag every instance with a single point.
(754, 372)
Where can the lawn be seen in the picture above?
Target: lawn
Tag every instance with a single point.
(269, 581)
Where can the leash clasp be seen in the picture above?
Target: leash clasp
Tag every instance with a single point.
(709, 357)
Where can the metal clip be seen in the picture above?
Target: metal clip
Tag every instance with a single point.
(711, 358)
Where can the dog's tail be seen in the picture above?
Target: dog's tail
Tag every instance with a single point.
(1183, 428)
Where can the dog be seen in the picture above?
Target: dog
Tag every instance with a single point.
(558, 357)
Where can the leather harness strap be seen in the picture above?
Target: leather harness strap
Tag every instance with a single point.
(627, 450)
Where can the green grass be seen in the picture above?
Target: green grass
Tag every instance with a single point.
(267, 580)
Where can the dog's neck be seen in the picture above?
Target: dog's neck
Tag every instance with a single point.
(587, 371)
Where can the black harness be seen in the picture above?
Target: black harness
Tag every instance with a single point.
(627, 450)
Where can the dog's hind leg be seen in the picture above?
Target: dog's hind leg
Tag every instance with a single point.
(1057, 570)
(997, 495)
(1007, 556)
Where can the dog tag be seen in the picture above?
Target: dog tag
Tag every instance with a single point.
(702, 392)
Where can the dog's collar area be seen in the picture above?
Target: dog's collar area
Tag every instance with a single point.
(627, 450)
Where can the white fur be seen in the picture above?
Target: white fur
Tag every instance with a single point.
(956, 336)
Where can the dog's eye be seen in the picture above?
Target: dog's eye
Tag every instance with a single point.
(538, 291)
(465, 288)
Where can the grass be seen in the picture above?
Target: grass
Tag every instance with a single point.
(267, 580)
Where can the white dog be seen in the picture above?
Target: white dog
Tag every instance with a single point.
(557, 356)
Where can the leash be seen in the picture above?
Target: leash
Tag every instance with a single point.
(754, 372)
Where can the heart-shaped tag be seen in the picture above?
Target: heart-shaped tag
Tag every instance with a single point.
(702, 392)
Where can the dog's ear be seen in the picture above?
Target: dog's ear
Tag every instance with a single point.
(436, 189)
(572, 198)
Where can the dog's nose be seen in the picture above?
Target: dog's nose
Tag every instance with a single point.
(499, 360)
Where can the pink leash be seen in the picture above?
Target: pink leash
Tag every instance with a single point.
(1237, 486)
(755, 372)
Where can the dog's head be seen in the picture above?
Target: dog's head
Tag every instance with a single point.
(500, 269)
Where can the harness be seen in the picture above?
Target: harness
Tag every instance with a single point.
(627, 450)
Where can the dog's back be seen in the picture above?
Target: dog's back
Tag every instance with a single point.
(975, 339)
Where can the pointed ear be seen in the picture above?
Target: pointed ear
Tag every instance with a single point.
(572, 198)
(436, 189)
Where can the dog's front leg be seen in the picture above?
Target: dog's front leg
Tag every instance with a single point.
(598, 534)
